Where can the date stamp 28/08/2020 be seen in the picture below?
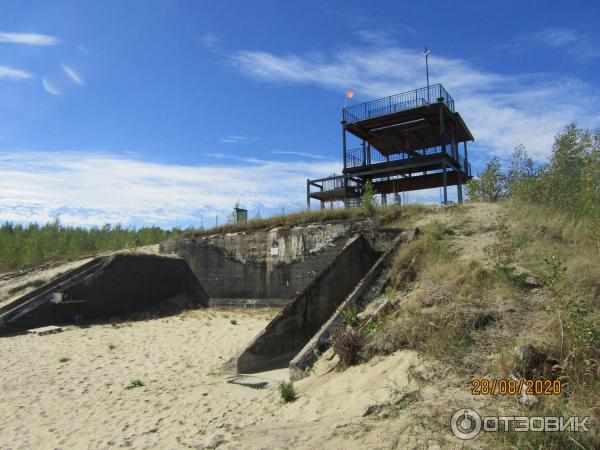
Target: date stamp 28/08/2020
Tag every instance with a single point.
(495, 386)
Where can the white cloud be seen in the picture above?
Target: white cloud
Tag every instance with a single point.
(303, 154)
(74, 76)
(574, 43)
(10, 73)
(28, 38)
(96, 188)
(238, 140)
(502, 111)
(49, 87)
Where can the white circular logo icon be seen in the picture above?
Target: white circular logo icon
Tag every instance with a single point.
(466, 424)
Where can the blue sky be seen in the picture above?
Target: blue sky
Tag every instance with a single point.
(166, 112)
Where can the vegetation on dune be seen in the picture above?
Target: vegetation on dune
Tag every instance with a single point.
(568, 184)
(385, 214)
(287, 392)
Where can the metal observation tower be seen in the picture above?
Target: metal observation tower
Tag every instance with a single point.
(404, 142)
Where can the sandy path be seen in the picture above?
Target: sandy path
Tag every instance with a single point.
(82, 402)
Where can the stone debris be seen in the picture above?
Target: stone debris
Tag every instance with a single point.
(42, 331)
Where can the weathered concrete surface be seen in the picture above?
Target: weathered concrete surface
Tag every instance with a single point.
(293, 327)
(105, 287)
(366, 290)
(277, 264)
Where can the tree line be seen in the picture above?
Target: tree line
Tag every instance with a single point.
(28, 245)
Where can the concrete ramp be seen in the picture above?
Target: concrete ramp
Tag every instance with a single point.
(366, 290)
(295, 325)
(104, 287)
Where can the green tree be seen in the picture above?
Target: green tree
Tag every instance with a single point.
(522, 179)
(490, 186)
(368, 198)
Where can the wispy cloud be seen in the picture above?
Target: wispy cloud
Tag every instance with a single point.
(10, 73)
(238, 140)
(210, 42)
(502, 111)
(102, 188)
(303, 154)
(28, 38)
(49, 87)
(574, 43)
(74, 76)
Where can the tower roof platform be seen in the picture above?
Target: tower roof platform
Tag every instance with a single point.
(413, 120)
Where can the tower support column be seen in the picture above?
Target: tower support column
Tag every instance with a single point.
(445, 179)
(459, 188)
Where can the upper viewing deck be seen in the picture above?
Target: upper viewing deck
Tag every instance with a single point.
(400, 102)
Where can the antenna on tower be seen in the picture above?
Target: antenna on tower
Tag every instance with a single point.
(426, 52)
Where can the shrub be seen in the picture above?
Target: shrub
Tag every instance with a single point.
(347, 344)
(287, 391)
(134, 384)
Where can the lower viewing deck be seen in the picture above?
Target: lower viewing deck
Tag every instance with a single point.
(426, 169)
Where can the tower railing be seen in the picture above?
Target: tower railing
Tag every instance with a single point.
(355, 157)
(399, 102)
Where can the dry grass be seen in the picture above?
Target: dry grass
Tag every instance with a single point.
(384, 214)
(347, 343)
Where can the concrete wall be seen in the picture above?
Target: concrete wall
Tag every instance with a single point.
(268, 267)
(118, 285)
(369, 287)
(292, 328)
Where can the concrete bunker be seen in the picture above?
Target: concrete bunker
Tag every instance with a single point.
(104, 287)
(265, 267)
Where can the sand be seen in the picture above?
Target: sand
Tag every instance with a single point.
(68, 390)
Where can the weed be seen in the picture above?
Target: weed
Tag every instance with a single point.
(287, 391)
(134, 384)
(350, 317)
(374, 325)
(233, 322)
(111, 346)
(64, 359)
